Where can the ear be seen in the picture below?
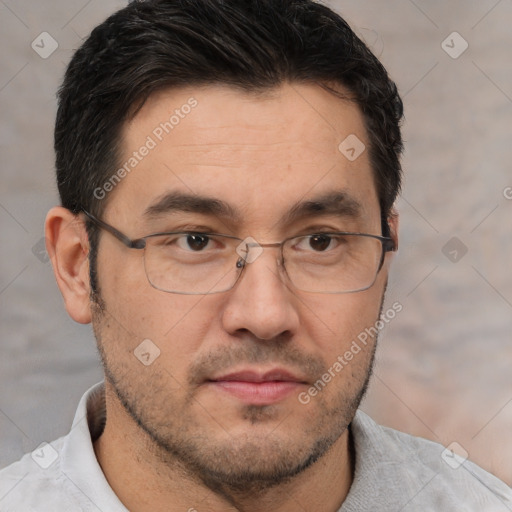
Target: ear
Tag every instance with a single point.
(67, 244)
(393, 223)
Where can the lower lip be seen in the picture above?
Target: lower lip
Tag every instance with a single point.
(258, 393)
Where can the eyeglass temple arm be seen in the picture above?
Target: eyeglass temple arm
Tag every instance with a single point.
(139, 243)
(389, 244)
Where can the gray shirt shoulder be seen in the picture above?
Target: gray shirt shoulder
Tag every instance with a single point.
(399, 472)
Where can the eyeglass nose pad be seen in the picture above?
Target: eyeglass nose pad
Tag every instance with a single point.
(249, 250)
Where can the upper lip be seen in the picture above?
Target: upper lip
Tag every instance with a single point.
(275, 374)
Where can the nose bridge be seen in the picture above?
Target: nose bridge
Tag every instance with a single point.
(250, 250)
(275, 245)
(256, 261)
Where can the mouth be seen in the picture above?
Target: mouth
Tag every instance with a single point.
(257, 387)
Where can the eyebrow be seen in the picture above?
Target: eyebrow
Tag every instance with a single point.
(181, 202)
(336, 203)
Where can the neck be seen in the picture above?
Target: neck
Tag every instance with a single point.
(135, 469)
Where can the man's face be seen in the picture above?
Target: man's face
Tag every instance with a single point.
(261, 155)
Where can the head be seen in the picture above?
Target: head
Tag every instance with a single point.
(244, 103)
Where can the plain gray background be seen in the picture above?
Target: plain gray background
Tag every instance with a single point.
(443, 368)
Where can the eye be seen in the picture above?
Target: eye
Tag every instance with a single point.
(193, 241)
(319, 242)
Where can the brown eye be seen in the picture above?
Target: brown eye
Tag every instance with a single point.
(197, 242)
(320, 242)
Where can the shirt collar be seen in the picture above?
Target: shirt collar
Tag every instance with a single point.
(79, 462)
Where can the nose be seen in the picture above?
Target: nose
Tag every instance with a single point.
(262, 302)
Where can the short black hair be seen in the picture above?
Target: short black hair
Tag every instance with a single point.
(253, 45)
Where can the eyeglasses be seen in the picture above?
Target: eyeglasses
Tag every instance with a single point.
(197, 263)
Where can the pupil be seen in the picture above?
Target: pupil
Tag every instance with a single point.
(320, 242)
(197, 242)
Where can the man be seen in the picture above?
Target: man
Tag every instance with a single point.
(227, 172)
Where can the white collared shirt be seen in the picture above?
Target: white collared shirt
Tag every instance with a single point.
(393, 472)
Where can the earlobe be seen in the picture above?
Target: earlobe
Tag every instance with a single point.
(68, 247)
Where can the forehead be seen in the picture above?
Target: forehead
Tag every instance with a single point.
(260, 153)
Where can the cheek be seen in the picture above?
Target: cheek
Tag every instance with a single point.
(344, 335)
(143, 310)
(135, 311)
(185, 329)
(335, 321)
